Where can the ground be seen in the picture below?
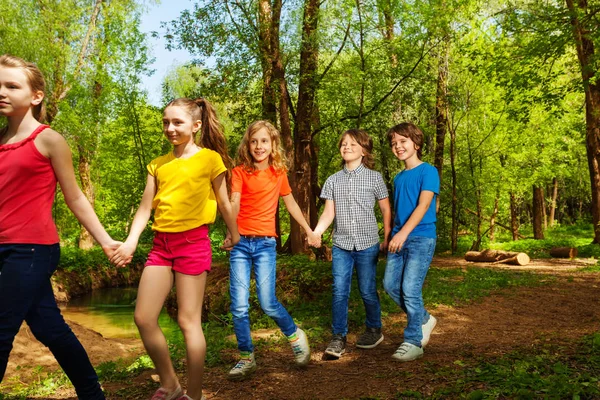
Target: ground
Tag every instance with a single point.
(509, 320)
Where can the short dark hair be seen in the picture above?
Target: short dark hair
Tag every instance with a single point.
(410, 131)
(364, 140)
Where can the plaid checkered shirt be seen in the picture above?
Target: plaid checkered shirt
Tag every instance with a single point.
(354, 194)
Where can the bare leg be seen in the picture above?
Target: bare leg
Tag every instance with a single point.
(190, 294)
(155, 284)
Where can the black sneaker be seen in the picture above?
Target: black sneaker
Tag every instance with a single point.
(337, 346)
(370, 338)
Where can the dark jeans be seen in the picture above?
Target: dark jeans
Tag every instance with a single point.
(26, 295)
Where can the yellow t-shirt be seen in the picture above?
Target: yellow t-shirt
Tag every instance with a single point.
(184, 197)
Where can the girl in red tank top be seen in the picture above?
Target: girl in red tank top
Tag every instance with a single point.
(33, 158)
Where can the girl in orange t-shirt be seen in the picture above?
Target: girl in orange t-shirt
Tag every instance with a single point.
(257, 183)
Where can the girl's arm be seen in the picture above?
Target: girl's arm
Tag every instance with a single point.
(386, 213)
(226, 210)
(55, 147)
(326, 218)
(124, 254)
(235, 207)
(417, 215)
(296, 213)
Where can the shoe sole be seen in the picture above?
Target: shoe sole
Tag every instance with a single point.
(334, 354)
(370, 346)
(403, 360)
(240, 377)
(426, 342)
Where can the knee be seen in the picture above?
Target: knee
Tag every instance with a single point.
(143, 321)
(189, 323)
(269, 305)
(388, 286)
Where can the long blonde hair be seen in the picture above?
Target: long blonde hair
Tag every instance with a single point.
(34, 77)
(277, 158)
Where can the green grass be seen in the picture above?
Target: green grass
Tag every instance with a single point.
(542, 372)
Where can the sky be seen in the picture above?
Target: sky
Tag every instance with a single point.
(166, 11)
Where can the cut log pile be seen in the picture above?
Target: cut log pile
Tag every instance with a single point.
(498, 257)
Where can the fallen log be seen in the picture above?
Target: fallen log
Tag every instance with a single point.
(498, 257)
(563, 252)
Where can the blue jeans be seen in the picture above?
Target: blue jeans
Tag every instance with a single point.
(343, 265)
(26, 295)
(260, 253)
(404, 277)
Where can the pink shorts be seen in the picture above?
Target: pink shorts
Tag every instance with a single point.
(186, 252)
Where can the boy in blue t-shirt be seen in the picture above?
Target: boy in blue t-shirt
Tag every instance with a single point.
(413, 237)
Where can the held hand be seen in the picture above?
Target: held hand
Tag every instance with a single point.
(123, 255)
(230, 241)
(314, 240)
(397, 242)
(110, 248)
(383, 246)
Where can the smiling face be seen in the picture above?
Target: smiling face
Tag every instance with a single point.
(260, 147)
(16, 95)
(178, 125)
(404, 148)
(351, 151)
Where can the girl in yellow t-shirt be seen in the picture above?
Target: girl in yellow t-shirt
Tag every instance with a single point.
(184, 187)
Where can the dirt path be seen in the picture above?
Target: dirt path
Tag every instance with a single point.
(512, 319)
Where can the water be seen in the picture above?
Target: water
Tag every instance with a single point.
(110, 313)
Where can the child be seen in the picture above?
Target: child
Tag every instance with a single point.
(413, 238)
(257, 183)
(350, 197)
(33, 158)
(184, 187)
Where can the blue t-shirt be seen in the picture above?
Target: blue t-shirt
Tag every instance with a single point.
(408, 185)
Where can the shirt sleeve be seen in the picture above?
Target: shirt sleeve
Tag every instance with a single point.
(284, 188)
(218, 166)
(431, 180)
(152, 167)
(381, 191)
(327, 191)
(237, 180)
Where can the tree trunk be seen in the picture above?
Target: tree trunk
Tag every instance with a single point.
(302, 174)
(265, 41)
(493, 217)
(591, 85)
(86, 241)
(553, 204)
(514, 217)
(563, 252)
(538, 213)
(454, 230)
(441, 111)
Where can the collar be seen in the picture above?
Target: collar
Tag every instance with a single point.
(356, 171)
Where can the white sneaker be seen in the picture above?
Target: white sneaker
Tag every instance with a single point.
(427, 329)
(408, 352)
(243, 369)
(300, 348)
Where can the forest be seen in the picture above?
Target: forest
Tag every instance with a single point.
(507, 93)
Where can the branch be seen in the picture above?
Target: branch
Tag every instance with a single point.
(336, 54)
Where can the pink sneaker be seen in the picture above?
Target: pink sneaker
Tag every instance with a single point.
(164, 394)
(186, 397)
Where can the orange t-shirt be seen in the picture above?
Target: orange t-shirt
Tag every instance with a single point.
(259, 198)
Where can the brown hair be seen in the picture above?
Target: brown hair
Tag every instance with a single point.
(364, 140)
(277, 157)
(212, 136)
(35, 79)
(410, 131)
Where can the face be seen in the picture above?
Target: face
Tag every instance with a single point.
(261, 146)
(403, 147)
(16, 96)
(351, 150)
(178, 125)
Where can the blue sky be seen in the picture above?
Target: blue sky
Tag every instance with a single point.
(167, 10)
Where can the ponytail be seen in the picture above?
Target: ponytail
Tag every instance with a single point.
(212, 136)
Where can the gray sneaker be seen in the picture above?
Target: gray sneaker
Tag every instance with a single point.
(370, 338)
(408, 352)
(427, 329)
(243, 369)
(337, 346)
(300, 348)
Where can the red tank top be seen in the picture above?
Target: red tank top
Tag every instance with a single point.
(27, 188)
